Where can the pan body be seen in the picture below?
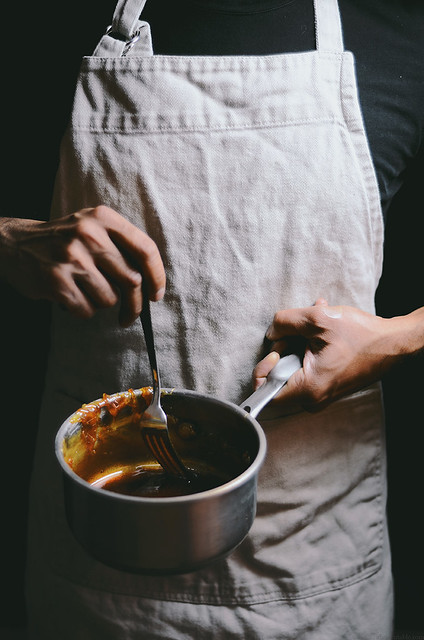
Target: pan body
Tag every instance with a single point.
(160, 535)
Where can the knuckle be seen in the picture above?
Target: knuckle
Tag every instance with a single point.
(88, 231)
(84, 228)
(84, 312)
(112, 298)
(132, 279)
(278, 317)
(106, 298)
(318, 316)
(100, 212)
(69, 252)
(150, 249)
(147, 245)
(76, 308)
(64, 295)
(78, 225)
(57, 278)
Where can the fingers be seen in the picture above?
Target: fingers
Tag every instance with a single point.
(295, 330)
(304, 322)
(287, 322)
(105, 258)
(89, 279)
(142, 250)
(290, 398)
(70, 297)
(263, 368)
(116, 278)
(78, 285)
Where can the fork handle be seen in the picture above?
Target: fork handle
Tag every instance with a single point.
(146, 322)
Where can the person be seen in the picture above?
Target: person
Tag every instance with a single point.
(246, 181)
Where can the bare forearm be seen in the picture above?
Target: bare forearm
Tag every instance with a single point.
(10, 231)
(407, 334)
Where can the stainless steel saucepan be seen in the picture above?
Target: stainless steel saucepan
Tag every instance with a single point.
(165, 534)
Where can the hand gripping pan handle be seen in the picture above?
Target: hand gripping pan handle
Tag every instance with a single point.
(277, 378)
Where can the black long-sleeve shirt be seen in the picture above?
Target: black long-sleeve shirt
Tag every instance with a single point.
(386, 37)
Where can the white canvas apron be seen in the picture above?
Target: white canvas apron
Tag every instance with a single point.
(254, 177)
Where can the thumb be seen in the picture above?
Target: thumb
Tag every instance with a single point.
(321, 302)
(263, 368)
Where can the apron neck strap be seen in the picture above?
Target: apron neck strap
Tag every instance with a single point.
(127, 35)
(328, 27)
(126, 25)
(126, 16)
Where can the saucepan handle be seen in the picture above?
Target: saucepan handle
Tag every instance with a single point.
(276, 379)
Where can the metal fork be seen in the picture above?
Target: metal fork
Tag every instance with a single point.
(153, 422)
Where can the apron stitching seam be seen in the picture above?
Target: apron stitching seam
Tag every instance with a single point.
(371, 189)
(221, 63)
(251, 126)
(252, 598)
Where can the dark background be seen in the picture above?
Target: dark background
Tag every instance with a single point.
(37, 86)
(401, 291)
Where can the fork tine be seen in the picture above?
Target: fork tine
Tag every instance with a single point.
(163, 451)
